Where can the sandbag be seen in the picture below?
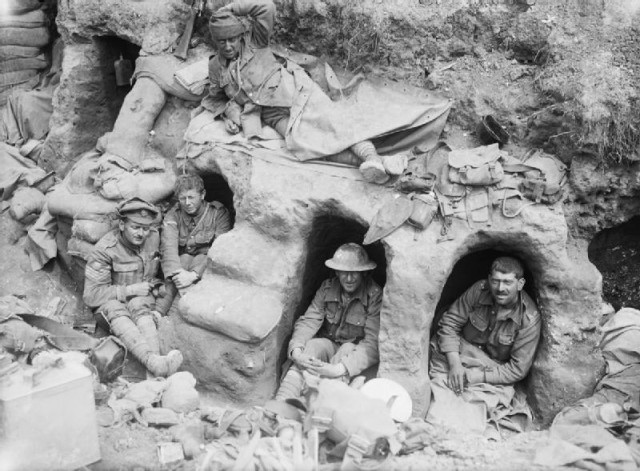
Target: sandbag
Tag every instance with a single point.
(79, 248)
(62, 202)
(32, 19)
(26, 201)
(25, 63)
(9, 79)
(18, 52)
(25, 36)
(91, 230)
(117, 179)
(20, 6)
(7, 92)
(137, 115)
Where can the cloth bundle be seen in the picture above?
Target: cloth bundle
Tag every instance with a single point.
(194, 77)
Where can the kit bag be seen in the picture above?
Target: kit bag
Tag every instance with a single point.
(541, 176)
(476, 167)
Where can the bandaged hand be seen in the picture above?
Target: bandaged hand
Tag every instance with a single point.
(138, 289)
(230, 126)
(232, 116)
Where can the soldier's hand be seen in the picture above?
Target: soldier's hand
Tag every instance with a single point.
(327, 370)
(139, 289)
(301, 359)
(184, 279)
(231, 127)
(457, 378)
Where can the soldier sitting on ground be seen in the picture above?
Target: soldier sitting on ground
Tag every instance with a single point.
(487, 339)
(337, 337)
(121, 284)
(188, 230)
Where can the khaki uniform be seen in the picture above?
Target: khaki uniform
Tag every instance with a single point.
(185, 238)
(113, 265)
(256, 81)
(352, 321)
(186, 241)
(510, 339)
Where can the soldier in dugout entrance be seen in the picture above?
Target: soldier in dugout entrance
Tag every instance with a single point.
(337, 337)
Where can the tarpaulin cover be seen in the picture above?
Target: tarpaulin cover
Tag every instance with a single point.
(479, 402)
(396, 117)
(16, 170)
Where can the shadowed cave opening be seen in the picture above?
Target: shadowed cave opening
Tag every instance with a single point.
(116, 56)
(327, 233)
(469, 269)
(473, 267)
(616, 254)
(217, 188)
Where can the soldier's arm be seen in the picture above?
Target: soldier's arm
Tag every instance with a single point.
(366, 353)
(216, 100)
(170, 260)
(308, 325)
(522, 353)
(262, 12)
(454, 320)
(222, 221)
(98, 288)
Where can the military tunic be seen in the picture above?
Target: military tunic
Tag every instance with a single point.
(115, 264)
(185, 238)
(344, 319)
(509, 338)
(256, 80)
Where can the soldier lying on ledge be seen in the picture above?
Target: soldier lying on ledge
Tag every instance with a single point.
(120, 280)
(338, 335)
(249, 85)
(486, 340)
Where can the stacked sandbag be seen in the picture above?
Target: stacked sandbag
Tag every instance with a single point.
(117, 179)
(88, 196)
(24, 33)
(26, 201)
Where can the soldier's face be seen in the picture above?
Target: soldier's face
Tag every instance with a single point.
(134, 233)
(505, 287)
(350, 280)
(191, 201)
(229, 47)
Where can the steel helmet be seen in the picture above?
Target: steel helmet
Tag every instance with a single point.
(350, 257)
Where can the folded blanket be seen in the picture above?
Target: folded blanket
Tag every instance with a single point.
(194, 77)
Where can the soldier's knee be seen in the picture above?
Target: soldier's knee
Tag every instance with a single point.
(140, 306)
(112, 310)
(344, 350)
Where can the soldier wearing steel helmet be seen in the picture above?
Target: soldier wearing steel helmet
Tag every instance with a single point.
(120, 277)
(337, 337)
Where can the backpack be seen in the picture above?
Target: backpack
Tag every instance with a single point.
(542, 176)
(476, 167)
